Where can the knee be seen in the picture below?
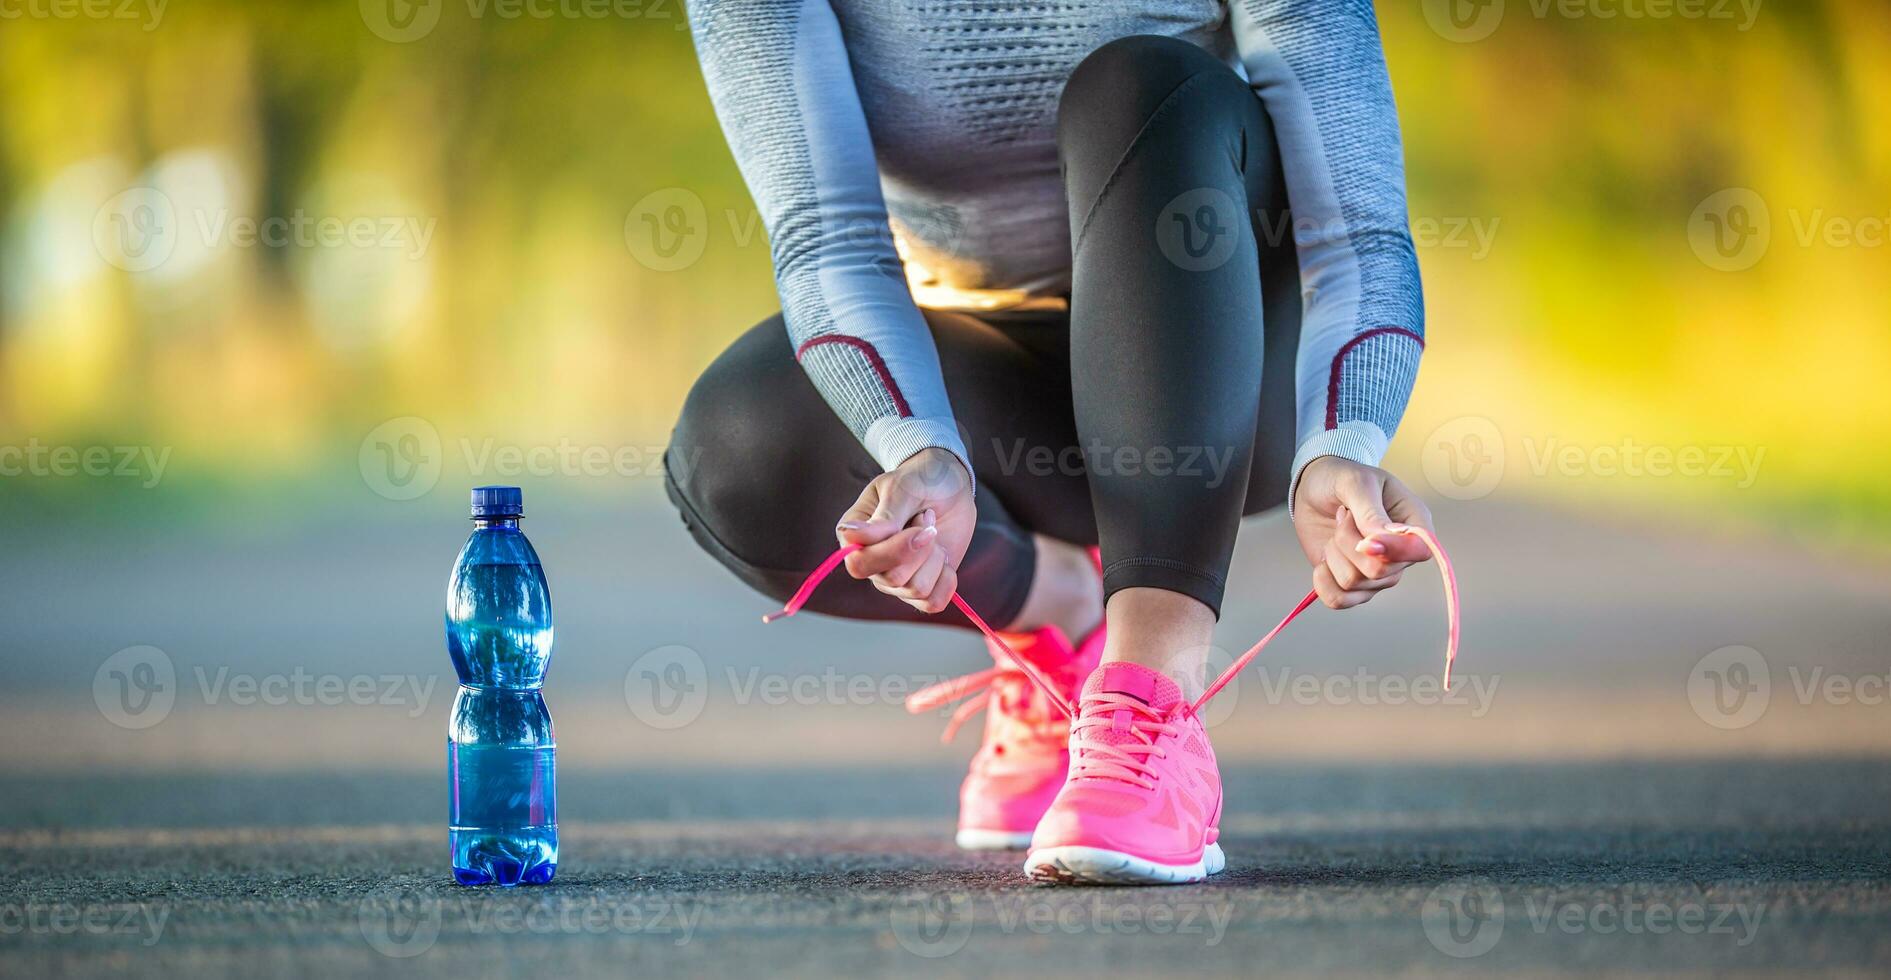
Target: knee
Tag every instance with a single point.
(1117, 87)
(731, 466)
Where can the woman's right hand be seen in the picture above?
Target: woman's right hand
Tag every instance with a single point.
(915, 523)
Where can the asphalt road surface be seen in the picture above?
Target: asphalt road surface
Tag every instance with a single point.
(1610, 795)
(1689, 867)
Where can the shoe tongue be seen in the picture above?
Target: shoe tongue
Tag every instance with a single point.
(1136, 681)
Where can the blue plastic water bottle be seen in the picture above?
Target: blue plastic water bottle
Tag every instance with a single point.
(500, 752)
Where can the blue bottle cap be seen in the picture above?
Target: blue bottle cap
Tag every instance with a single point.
(498, 502)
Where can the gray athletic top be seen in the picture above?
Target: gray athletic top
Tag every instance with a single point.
(902, 148)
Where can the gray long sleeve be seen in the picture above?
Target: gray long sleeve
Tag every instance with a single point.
(962, 101)
(779, 75)
(1319, 67)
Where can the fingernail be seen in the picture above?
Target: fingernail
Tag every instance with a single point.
(849, 526)
(924, 538)
(927, 518)
(1370, 547)
(1399, 528)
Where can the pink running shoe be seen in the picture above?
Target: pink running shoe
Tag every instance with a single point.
(1025, 756)
(1143, 801)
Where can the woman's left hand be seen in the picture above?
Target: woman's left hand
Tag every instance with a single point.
(1347, 515)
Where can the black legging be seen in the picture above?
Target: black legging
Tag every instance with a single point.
(1151, 417)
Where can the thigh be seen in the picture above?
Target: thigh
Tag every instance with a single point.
(759, 464)
(1008, 376)
(761, 467)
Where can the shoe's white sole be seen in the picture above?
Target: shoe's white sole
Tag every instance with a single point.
(1072, 864)
(994, 840)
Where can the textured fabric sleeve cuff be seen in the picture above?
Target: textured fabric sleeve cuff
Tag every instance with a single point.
(1361, 442)
(892, 441)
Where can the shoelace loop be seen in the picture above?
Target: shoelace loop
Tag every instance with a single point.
(1063, 704)
(982, 689)
(1125, 761)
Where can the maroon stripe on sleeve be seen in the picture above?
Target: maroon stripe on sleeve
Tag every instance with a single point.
(1339, 363)
(873, 358)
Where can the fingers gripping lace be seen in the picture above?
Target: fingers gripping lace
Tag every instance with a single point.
(833, 561)
(941, 693)
(1445, 569)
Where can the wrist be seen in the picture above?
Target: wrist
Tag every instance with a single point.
(1357, 442)
(892, 442)
(940, 470)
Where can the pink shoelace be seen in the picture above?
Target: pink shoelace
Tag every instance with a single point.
(1123, 761)
(941, 693)
(1012, 692)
